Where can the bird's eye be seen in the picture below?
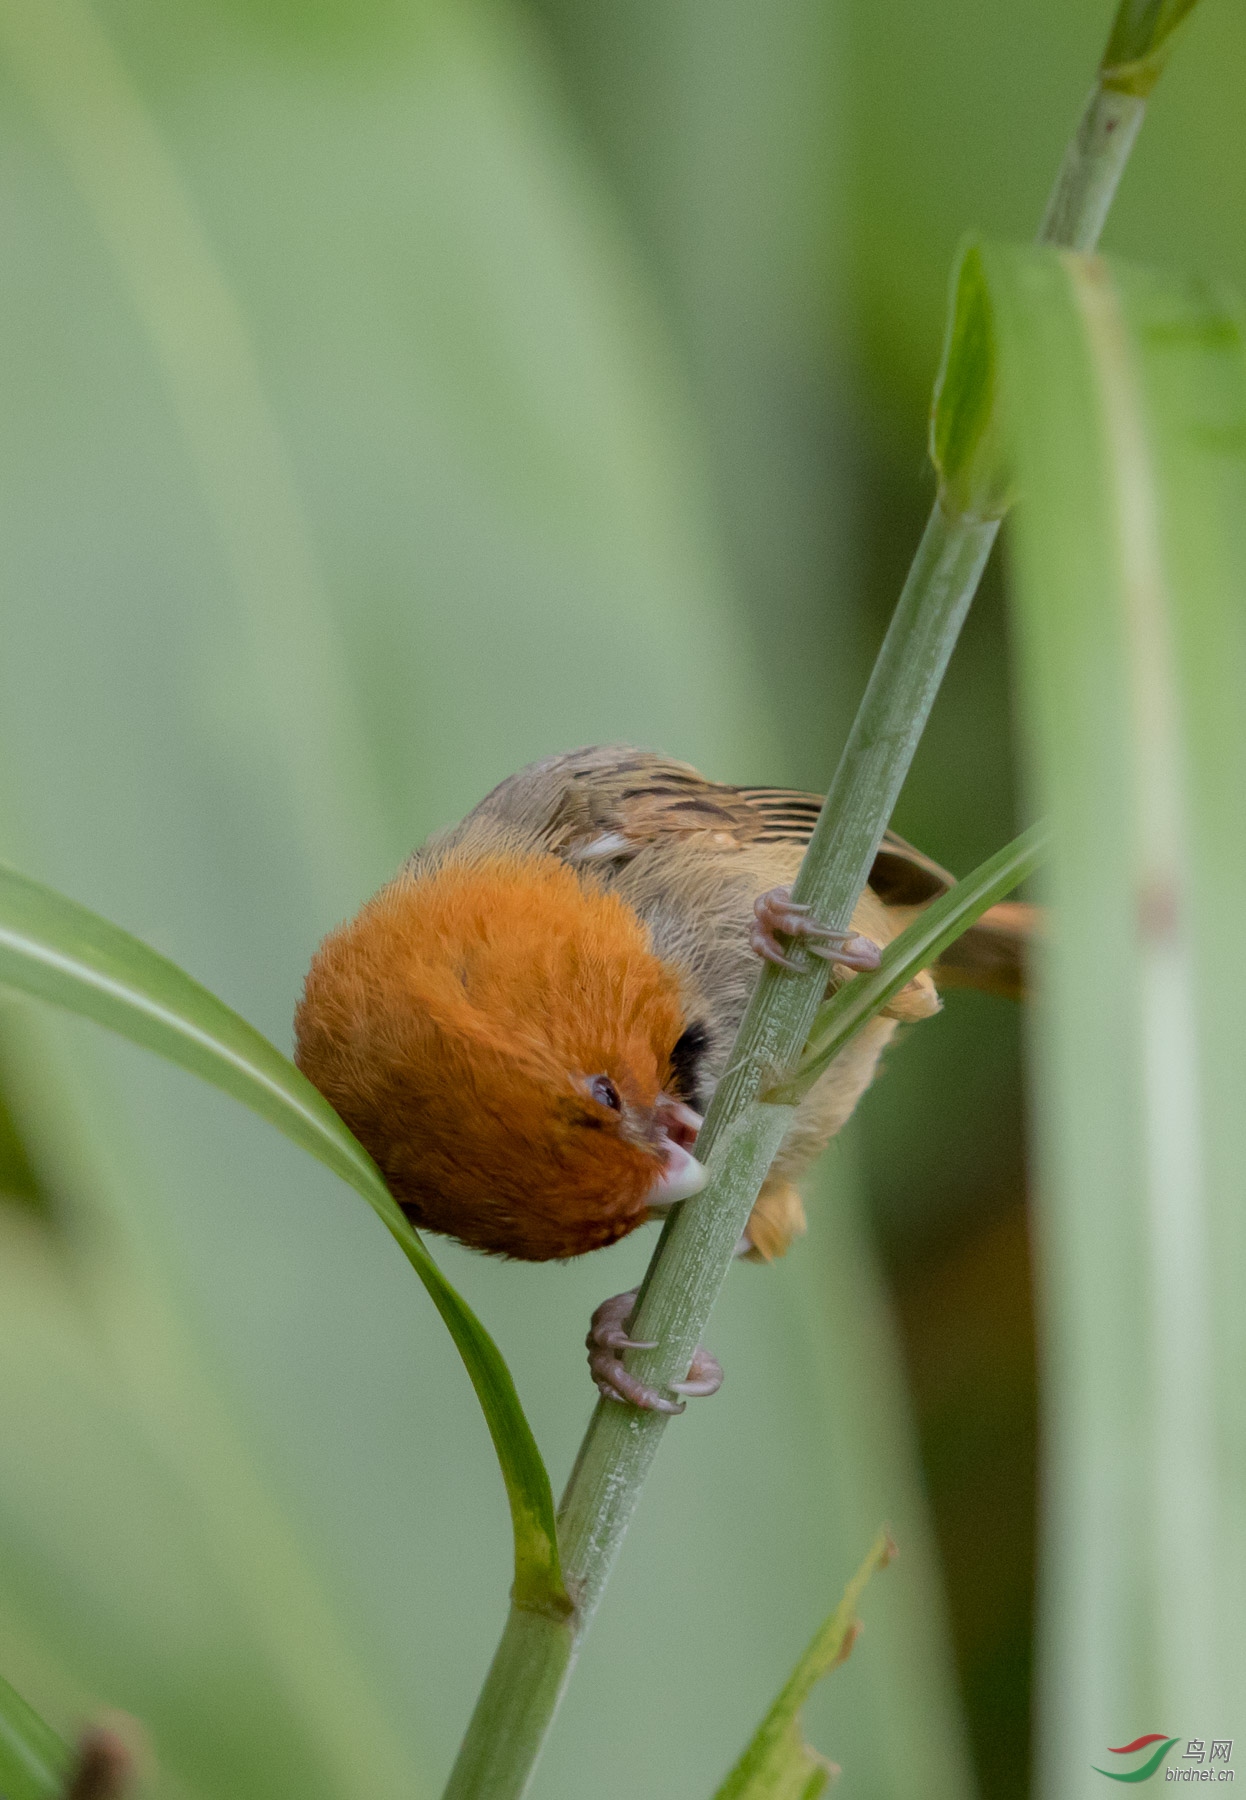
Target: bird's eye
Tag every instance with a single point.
(605, 1093)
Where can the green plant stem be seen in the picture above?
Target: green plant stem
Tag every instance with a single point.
(738, 1142)
(520, 1696)
(521, 1690)
(1092, 168)
(741, 1133)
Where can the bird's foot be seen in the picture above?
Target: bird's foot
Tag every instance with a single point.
(607, 1336)
(775, 911)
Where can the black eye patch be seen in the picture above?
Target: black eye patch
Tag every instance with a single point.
(686, 1060)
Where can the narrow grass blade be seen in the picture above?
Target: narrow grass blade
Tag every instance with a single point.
(915, 949)
(1123, 398)
(33, 1760)
(778, 1764)
(58, 951)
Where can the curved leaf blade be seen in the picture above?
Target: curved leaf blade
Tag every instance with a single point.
(778, 1764)
(56, 950)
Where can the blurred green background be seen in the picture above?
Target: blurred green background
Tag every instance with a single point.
(393, 393)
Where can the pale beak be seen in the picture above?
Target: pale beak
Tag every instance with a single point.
(682, 1175)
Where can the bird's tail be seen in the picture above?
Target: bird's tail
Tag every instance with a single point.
(992, 955)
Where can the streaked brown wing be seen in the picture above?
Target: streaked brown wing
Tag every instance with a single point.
(902, 875)
(616, 800)
(619, 799)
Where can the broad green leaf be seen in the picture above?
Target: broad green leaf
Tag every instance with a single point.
(938, 925)
(1123, 395)
(778, 1764)
(33, 1760)
(58, 951)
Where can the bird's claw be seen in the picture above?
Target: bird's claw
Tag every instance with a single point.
(775, 911)
(705, 1376)
(607, 1336)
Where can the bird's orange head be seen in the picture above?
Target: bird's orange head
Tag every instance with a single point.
(499, 1037)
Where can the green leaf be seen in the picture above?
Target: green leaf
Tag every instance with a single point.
(33, 1760)
(938, 925)
(1123, 400)
(964, 426)
(778, 1764)
(55, 950)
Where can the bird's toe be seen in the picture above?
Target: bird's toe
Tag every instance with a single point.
(704, 1377)
(607, 1338)
(775, 911)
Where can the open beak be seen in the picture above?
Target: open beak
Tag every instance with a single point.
(682, 1175)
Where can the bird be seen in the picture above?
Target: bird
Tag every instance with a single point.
(525, 1026)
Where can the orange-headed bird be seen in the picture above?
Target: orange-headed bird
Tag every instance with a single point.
(525, 1025)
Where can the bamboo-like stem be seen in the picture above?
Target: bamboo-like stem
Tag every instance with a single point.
(1092, 168)
(742, 1132)
(517, 1703)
